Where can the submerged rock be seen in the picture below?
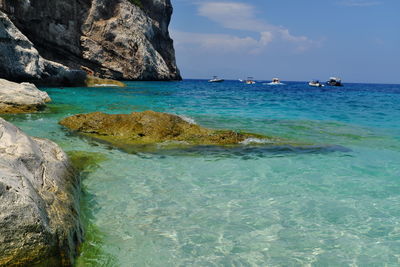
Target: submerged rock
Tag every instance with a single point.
(39, 202)
(151, 127)
(21, 98)
(84, 160)
(92, 81)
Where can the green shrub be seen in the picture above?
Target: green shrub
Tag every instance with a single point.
(137, 3)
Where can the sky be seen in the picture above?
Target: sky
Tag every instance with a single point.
(295, 40)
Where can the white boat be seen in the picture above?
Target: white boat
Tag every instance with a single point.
(215, 79)
(250, 80)
(315, 83)
(333, 81)
(275, 81)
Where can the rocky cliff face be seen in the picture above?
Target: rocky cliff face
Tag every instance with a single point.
(20, 60)
(108, 38)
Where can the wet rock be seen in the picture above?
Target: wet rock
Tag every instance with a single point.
(39, 202)
(150, 127)
(92, 81)
(21, 98)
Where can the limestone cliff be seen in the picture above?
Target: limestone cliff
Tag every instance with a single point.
(107, 38)
(20, 61)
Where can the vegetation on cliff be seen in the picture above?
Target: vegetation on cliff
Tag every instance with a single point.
(137, 2)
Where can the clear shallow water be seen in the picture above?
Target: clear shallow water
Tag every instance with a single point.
(245, 206)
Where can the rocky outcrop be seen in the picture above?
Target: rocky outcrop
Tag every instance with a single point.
(150, 127)
(39, 205)
(114, 39)
(21, 98)
(20, 61)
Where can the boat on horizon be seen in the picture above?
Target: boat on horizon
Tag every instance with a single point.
(215, 79)
(334, 81)
(275, 81)
(315, 83)
(250, 80)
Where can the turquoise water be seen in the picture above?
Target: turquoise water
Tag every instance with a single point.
(247, 206)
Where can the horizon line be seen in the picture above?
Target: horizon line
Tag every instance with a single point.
(305, 81)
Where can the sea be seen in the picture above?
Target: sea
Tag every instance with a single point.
(332, 200)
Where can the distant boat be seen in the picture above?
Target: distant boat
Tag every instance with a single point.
(215, 79)
(315, 83)
(250, 80)
(275, 81)
(333, 81)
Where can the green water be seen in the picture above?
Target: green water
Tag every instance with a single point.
(335, 205)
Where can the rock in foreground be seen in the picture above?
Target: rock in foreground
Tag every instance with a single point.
(39, 207)
(21, 98)
(149, 127)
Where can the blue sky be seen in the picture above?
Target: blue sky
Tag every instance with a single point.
(298, 40)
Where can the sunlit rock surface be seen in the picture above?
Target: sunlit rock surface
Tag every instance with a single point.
(150, 127)
(39, 202)
(21, 98)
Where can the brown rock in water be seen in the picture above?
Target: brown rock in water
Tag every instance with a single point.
(92, 81)
(149, 127)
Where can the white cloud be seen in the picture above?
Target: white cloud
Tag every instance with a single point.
(359, 3)
(224, 43)
(241, 16)
(232, 15)
(266, 38)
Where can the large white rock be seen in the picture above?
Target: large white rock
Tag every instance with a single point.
(24, 97)
(39, 207)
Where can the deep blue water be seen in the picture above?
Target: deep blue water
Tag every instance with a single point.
(335, 205)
